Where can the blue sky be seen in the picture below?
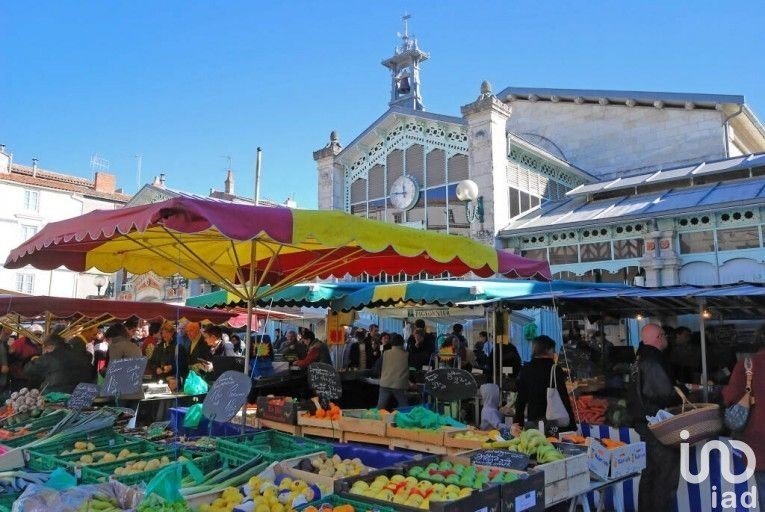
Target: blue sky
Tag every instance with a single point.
(187, 83)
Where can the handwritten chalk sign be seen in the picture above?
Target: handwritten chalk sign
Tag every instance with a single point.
(228, 394)
(501, 459)
(82, 397)
(450, 384)
(124, 377)
(325, 381)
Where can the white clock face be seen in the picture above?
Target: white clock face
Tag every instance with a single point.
(404, 193)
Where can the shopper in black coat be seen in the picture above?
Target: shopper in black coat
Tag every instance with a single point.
(60, 368)
(533, 380)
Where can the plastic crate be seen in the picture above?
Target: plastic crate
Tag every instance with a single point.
(100, 438)
(48, 462)
(104, 472)
(6, 501)
(335, 500)
(273, 446)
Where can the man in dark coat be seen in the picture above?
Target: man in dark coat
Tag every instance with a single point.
(60, 368)
(651, 388)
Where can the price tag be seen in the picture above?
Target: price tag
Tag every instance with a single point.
(124, 377)
(228, 394)
(325, 381)
(501, 459)
(82, 397)
(450, 384)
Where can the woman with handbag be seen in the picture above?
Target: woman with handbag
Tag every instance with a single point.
(743, 416)
(534, 380)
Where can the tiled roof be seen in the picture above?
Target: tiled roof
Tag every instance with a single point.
(46, 179)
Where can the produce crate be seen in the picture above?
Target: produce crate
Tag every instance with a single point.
(357, 437)
(450, 441)
(104, 472)
(327, 481)
(417, 446)
(327, 433)
(335, 500)
(271, 445)
(485, 500)
(7, 500)
(351, 422)
(101, 438)
(293, 430)
(309, 421)
(49, 462)
(278, 408)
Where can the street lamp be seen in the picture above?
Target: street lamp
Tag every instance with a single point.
(100, 282)
(467, 192)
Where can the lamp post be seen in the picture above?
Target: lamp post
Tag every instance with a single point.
(100, 282)
(467, 192)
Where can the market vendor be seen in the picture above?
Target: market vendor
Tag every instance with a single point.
(169, 360)
(20, 352)
(318, 352)
(293, 349)
(59, 368)
(658, 482)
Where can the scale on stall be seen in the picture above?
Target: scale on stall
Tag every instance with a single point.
(156, 388)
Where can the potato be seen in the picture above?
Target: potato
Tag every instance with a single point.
(86, 459)
(124, 453)
(80, 445)
(108, 457)
(91, 446)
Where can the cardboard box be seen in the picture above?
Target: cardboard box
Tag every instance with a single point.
(607, 464)
(524, 495)
(574, 464)
(278, 408)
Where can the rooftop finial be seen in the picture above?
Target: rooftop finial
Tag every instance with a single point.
(333, 137)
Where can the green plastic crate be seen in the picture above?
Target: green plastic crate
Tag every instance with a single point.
(104, 472)
(358, 506)
(270, 444)
(101, 438)
(48, 462)
(6, 501)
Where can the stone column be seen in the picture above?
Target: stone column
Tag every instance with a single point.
(660, 260)
(487, 158)
(331, 175)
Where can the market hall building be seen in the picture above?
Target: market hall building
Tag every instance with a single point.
(609, 186)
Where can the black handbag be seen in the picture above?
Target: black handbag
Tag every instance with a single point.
(737, 415)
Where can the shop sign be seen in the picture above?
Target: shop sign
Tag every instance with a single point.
(427, 313)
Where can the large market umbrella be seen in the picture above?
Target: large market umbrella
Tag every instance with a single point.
(232, 244)
(451, 292)
(303, 294)
(87, 312)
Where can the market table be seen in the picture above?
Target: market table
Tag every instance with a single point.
(597, 486)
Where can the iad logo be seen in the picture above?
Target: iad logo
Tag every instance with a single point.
(729, 498)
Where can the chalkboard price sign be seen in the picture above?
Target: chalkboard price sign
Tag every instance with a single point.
(325, 381)
(501, 459)
(124, 377)
(450, 384)
(82, 396)
(227, 396)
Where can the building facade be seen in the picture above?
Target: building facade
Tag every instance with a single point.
(606, 185)
(32, 197)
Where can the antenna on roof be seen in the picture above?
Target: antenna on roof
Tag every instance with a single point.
(139, 168)
(98, 164)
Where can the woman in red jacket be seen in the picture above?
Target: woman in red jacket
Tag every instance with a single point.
(754, 433)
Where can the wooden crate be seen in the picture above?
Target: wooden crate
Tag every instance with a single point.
(295, 430)
(394, 432)
(364, 426)
(356, 437)
(328, 433)
(464, 444)
(418, 446)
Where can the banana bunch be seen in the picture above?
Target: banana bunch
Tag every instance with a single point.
(532, 442)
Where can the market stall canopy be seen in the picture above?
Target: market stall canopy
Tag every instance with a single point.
(30, 306)
(228, 243)
(742, 300)
(240, 319)
(304, 294)
(452, 292)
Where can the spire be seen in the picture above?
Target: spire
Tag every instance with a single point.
(404, 66)
(229, 183)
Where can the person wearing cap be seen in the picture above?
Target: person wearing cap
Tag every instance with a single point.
(20, 352)
(59, 368)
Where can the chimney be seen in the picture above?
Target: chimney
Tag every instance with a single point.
(229, 188)
(105, 182)
(5, 160)
(34, 167)
(162, 180)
